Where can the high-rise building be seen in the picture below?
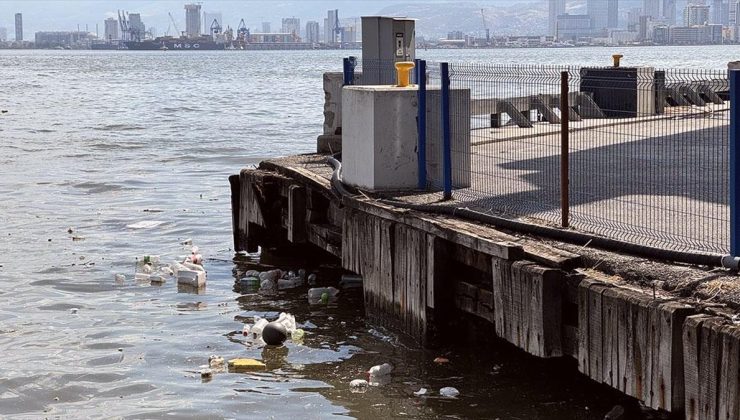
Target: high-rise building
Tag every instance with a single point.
(669, 11)
(209, 18)
(111, 29)
(603, 13)
(660, 10)
(266, 27)
(555, 8)
(136, 26)
(312, 32)
(734, 15)
(721, 12)
(18, 27)
(192, 20)
(331, 27)
(3, 34)
(291, 26)
(695, 14)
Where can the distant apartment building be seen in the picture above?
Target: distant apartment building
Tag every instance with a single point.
(349, 34)
(660, 10)
(291, 26)
(18, 27)
(695, 14)
(192, 20)
(633, 19)
(111, 29)
(212, 21)
(136, 26)
(62, 39)
(313, 32)
(695, 35)
(3, 34)
(572, 27)
(331, 27)
(555, 9)
(455, 35)
(720, 11)
(604, 13)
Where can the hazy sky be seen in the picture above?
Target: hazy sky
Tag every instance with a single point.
(67, 14)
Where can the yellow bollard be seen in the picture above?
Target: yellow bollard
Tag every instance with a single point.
(616, 58)
(403, 72)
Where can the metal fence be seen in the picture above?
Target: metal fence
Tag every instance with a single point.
(635, 154)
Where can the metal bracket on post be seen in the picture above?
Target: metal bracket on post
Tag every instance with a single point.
(348, 68)
(446, 141)
(421, 121)
(734, 162)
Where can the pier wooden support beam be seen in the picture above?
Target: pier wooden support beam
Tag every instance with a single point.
(632, 342)
(528, 306)
(712, 368)
(296, 223)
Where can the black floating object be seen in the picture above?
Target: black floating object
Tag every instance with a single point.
(274, 334)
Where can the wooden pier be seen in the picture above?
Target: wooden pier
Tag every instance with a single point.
(422, 271)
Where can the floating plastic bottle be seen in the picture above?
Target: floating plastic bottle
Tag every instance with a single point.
(380, 370)
(449, 392)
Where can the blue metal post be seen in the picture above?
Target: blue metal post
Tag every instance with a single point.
(446, 142)
(734, 162)
(421, 81)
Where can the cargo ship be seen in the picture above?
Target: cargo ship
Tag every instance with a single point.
(175, 44)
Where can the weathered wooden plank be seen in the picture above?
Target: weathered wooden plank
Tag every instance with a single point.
(610, 310)
(668, 381)
(692, 332)
(485, 305)
(237, 234)
(710, 364)
(501, 285)
(431, 261)
(325, 237)
(462, 233)
(296, 223)
(729, 386)
(527, 306)
(387, 250)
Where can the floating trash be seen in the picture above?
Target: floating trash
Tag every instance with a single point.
(420, 392)
(358, 386)
(449, 392)
(245, 364)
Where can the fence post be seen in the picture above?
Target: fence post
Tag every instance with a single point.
(421, 120)
(564, 152)
(446, 142)
(734, 162)
(348, 68)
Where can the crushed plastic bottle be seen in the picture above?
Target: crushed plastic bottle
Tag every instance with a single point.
(449, 392)
(380, 370)
(322, 295)
(420, 392)
(297, 335)
(358, 386)
(259, 325)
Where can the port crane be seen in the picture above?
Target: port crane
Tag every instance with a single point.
(175, 25)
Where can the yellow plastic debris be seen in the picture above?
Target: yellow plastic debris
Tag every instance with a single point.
(245, 364)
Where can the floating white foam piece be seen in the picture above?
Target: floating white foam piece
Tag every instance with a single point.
(145, 224)
(191, 278)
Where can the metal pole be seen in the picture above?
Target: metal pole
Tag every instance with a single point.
(421, 80)
(734, 162)
(446, 143)
(564, 157)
